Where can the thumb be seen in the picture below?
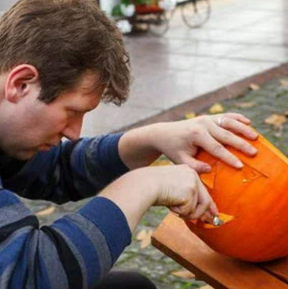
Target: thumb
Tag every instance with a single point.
(213, 210)
(199, 166)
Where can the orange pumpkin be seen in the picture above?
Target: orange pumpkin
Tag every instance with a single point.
(255, 198)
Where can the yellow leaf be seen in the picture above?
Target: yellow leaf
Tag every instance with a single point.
(141, 235)
(254, 86)
(144, 236)
(190, 115)
(216, 108)
(161, 163)
(45, 212)
(185, 274)
(245, 104)
(146, 240)
(284, 82)
(275, 119)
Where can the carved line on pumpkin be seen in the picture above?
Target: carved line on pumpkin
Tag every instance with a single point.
(249, 174)
(209, 179)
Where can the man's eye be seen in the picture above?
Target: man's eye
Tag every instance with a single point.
(74, 112)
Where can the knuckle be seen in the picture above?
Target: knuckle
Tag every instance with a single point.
(193, 188)
(184, 167)
(227, 136)
(217, 149)
(207, 203)
(185, 211)
(193, 176)
(196, 132)
(201, 118)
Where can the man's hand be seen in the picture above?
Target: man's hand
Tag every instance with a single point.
(177, 187)
(180, 141)
(180, 189)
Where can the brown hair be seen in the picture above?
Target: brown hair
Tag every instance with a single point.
(64, 39)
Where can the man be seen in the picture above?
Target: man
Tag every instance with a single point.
(58, 60)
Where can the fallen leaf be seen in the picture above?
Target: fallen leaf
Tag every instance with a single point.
(147, 240)
(190, 115)
(284, 82)
(161, 163)
(185, 274)
(46, 212)
(245, 104)
(275, 119)
(216, 108)
(144, 236)
(141, 235)
(254, 86)
(207, 287)
(279, 131)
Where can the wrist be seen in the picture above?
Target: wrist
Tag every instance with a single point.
(133, 193)
(138, 147)
(157, 131)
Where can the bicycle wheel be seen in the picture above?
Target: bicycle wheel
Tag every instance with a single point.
(159, 25)
(195, 13)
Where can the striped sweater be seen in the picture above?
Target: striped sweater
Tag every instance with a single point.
(77, 250)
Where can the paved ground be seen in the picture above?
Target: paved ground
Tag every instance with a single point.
(243, 37)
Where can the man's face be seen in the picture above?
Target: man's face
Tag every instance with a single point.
(31, 126)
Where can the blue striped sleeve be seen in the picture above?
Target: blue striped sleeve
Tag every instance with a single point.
(69, 172)
(76, 251)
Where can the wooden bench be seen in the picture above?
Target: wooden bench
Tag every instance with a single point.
(174, 239)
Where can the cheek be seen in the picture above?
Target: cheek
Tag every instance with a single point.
(58, 125)
(53, 124)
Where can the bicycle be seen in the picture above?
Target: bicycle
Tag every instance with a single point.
(194, 13)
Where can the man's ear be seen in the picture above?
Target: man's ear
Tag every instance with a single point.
(21, 80)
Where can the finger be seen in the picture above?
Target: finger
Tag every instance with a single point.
(199, 166)
(219, 151)
(228, 138)
(183, 211)
(213, 209)
(175, 209)
(204, 201)
(237, 116)
(239, 128)
(188, 206)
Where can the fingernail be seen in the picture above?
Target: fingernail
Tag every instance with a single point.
(252, 150)
(206, 169)
(254, 134)
(239, 165)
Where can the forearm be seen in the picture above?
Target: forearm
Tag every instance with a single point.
(137, 147)
(133, 194)
(76, 250)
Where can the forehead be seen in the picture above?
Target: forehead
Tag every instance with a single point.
(89, 84)
(86, 92)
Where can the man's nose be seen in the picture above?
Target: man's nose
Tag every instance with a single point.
(73, 129)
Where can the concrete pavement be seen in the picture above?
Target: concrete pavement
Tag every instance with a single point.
(242, 38)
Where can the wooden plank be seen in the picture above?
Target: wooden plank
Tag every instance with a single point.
(174, 239)
(278, 268)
